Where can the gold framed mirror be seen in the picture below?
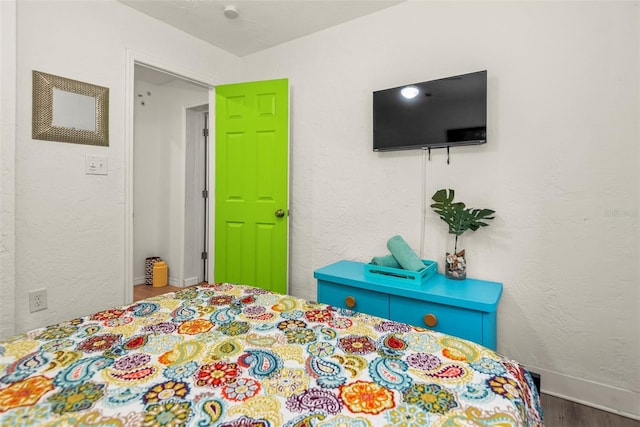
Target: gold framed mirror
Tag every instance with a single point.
(66, 110)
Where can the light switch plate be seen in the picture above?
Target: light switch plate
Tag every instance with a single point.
(95, 165)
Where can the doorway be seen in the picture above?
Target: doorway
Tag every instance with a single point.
(169, 175)
(135, 59)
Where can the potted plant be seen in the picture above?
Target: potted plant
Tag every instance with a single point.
(459, 218)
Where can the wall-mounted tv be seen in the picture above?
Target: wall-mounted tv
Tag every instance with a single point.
(439, 113)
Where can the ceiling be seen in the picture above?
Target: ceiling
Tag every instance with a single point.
(260, 24)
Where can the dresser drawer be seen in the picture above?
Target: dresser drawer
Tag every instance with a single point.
(361, 300)
(463, 308)
(448, 319)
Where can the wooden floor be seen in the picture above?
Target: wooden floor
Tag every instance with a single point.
(563, 413)
(557, 412)
(147, 291)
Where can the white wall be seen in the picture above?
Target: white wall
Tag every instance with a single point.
(70, 226)
(159, 173)
(147, 192)
(560, 168)
(7, 165)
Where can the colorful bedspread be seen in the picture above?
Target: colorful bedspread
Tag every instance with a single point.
(230, 355)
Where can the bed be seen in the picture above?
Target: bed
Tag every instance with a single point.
(230, 355)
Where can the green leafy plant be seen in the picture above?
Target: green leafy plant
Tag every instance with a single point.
(458, 217)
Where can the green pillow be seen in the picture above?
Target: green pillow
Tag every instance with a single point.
(405, 256)
(386, 261)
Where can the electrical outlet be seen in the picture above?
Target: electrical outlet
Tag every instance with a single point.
(37, 300)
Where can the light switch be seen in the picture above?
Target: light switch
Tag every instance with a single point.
(95, 165)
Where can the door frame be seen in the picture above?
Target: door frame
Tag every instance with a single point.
(206, 173)
(134, 58)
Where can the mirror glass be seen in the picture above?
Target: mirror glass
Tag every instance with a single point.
(73, 110)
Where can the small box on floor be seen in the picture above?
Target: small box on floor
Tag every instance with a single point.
(148, 269)
(160, 274)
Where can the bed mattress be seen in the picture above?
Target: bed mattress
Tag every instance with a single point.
(230, 355)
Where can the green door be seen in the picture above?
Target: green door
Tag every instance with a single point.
(251, 191)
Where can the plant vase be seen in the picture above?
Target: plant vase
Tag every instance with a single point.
(459, 219)
(456, 265)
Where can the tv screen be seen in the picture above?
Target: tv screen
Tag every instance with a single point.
(433, 114)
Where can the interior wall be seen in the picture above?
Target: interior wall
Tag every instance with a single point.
(560, 168)
(160, 173)
(7, 166)
(148, 193)
(70, 226)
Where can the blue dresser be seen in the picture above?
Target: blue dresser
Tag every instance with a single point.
(463, 308)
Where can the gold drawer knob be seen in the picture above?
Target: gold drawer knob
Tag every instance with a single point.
(350, 302)
(430, 320)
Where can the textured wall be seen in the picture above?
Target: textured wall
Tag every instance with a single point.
(560, 169)
(7, 166)
(70, 226)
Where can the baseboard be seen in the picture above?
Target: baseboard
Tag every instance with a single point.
(191, 281)
(600, 396)
(174, 282)
(139, 280)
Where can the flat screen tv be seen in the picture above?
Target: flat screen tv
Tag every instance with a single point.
(439, 113)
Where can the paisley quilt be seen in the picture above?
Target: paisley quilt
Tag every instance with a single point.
(229, 355)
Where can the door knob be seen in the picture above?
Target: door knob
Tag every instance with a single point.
(279, 213)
